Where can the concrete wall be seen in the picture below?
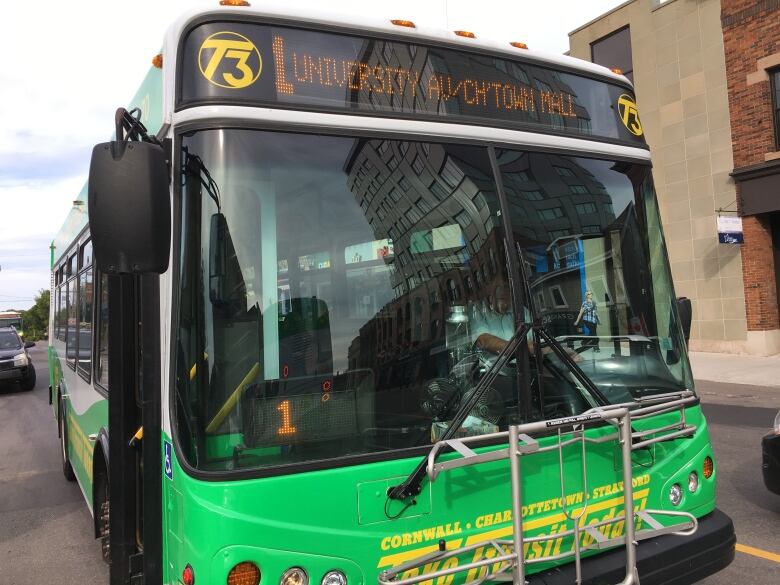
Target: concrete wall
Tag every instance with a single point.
(680, 80)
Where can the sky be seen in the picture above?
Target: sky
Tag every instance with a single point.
(67, 66)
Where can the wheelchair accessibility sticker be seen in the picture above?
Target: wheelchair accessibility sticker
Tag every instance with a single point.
(168, 465)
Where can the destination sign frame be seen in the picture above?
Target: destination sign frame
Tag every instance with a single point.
(282, 66)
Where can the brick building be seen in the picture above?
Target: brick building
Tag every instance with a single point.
(706, 72)
(751, 40)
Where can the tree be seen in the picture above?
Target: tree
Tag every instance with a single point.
(36, 318)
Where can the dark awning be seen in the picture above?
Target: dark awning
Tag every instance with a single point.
(759, 187)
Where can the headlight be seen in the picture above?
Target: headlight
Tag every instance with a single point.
(777, 423)
(294, 576)
(675, 494)
(20, 360)
(334, 578)
(693, 481)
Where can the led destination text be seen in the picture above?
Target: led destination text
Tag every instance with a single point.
(295, 71)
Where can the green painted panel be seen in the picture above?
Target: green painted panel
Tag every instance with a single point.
(373, 505)
(316, 519)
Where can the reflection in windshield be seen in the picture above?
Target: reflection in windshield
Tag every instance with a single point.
(592, 276)
(347, 294)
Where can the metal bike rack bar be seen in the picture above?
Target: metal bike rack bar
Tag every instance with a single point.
(509, 555)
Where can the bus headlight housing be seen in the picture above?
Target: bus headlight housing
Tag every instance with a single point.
(334, 578)
(20, 360)
(294, 576)
(693, 481)
(675, 494)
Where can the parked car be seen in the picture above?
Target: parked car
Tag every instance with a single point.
(770, 458)
(15, 362)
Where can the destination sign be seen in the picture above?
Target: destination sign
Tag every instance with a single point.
(273, 66)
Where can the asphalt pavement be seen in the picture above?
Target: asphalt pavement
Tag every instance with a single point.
(45, 525)
(738, 416)
(46, 529)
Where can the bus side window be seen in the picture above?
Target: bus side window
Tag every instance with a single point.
(85, 322)
(71, 344)
(101, 326)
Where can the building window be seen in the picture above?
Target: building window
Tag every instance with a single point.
(418, 165)
(451, 174)
(564, 172)
(775, 88)
(552, 213)
(559, 301)
(555, 234)
(585, 208)
(540, 299)
(438, 191)
(614, 51)
(578, 189)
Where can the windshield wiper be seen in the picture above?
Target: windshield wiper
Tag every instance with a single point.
(412, 485)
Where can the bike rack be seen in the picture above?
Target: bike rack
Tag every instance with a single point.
(509, 557)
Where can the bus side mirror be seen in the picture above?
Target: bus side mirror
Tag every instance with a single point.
(685, 311)
(129, 208)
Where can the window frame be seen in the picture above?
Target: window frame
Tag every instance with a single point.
(555, 304)
(97, 277)
(774, 100)
(68, 302)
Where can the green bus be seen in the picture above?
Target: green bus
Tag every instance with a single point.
(364, 303)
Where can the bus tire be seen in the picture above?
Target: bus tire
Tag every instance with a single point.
(102, 514)
(67, 468)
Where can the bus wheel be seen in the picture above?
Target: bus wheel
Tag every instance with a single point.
(103, 521)
(67, 469)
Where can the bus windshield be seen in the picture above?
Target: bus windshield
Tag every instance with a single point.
(341, 296)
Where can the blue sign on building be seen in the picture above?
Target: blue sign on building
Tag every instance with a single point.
(730, 230)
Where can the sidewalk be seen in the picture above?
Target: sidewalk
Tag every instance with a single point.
(736, 369)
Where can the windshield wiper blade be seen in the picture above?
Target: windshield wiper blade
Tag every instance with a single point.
(412, 485)
(564, 356)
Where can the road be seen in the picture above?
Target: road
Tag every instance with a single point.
(738, 417)
(46, 529)
(45, 526)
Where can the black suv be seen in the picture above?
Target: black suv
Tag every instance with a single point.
(15, 362)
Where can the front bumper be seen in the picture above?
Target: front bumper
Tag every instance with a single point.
(14, 373)
(670, 560)
(770, 462)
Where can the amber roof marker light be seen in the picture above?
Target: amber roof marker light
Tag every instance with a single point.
(157, 61)
(617, 71)
(234, 3)
(406, 23)
(465, 33)
(518, 45)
